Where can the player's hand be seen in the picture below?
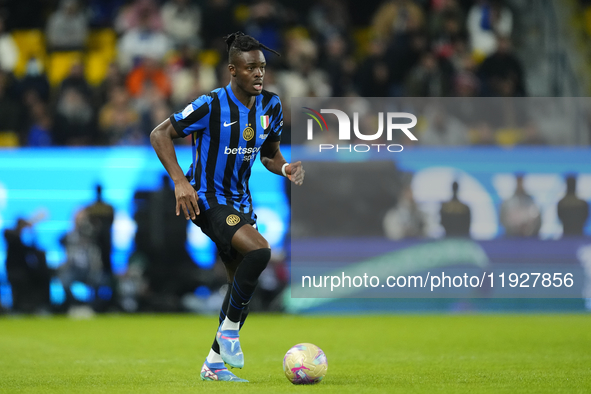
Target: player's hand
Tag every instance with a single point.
(186, 200)
(295, 172)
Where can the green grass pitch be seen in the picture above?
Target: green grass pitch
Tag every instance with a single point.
(366, 354)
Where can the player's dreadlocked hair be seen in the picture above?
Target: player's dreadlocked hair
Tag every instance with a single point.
(240, 42)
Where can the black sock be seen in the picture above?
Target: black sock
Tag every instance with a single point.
(245, 281)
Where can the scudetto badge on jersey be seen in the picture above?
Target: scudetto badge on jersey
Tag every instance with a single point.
(232, 220)
(265, 121)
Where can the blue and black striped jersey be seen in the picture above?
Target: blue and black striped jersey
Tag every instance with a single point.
(227, 137)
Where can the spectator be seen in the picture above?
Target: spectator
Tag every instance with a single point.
(9, 108)
(329, 18)
(101, 216)
(114, 78)
(373, 76)
(143, 14)
(406, 220)
(484, 135)
(118, 121)
(531, 135)
(39, 134)
(74, 120)
(502, 72)
(27, 270)
(33, 108)
(520, 215)
(8, 49)
(443, 11)
(140, 42)
(158, 110)
(402, 55)
(455, 216)
(461, 57)
(487, 20)
(339, 66)
(395, 17)
(303, 78)
(34, 80)
(573, 211)
(190, 79)
(67, 27)
(83, 259)
(444, 42)
(103, 12)
(75, 80)
(266, 18)
(431, 78)
(442, 128)
(182, 23)
(148, 73)
(466, 84)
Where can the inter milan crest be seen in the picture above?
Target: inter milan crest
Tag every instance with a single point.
(265, 121)
(248, 133)
(232, 220)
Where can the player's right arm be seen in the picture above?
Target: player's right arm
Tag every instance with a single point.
(186, 197)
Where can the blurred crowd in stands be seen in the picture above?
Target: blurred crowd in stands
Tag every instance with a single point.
(105, 72)
(519, 215)
(161, 275)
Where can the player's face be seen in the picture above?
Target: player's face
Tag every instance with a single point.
(249, 70)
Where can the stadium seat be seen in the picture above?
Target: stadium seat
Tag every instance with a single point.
(210, 57)
(8, 139)
(241, 13)
(508, 136)
(60, 64)
(95, 67)
(102, 50)
(362, 37)
(30, 43)
(102, 40)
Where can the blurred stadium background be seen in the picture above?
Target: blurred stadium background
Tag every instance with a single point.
(82, 84)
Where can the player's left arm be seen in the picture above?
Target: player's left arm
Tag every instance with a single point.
(274, 161)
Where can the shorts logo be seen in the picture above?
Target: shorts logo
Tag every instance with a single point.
(248, 133)
(232, 220)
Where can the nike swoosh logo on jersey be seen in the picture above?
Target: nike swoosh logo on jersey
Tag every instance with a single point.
(229, 124)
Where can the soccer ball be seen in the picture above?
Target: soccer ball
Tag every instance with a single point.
(305, 363)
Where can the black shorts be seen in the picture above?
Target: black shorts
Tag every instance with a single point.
(220, 223)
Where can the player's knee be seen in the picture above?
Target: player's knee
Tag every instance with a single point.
(260, 258)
